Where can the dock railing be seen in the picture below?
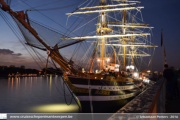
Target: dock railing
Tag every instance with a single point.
(152, 100)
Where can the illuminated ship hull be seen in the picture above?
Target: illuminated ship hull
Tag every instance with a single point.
(99, 94)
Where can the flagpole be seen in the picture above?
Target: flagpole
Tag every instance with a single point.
(163, 58)
(162, 49)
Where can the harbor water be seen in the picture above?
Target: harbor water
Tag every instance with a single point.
(35, 95)
(44, 95)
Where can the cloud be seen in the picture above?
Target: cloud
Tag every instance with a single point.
(9, 52)
(9, 57)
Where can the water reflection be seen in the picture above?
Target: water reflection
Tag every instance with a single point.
(54, 108)
(9, 82)
(16, 83)
(21, 93)
(19, 81)
(50, 83)
(25, 81)
(31, 82)
(12, 85)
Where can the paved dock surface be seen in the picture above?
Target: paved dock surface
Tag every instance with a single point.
(173, 106)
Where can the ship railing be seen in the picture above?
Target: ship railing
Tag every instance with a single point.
(152, 100)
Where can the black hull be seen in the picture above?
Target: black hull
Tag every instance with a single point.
(102, 96)
(103, 106)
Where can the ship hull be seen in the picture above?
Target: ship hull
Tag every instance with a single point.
(102, 95)
(103, 106)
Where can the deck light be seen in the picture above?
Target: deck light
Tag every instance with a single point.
(132, 67)
(108, 59)
(136, 74)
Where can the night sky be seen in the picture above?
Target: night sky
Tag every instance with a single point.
(161, 14)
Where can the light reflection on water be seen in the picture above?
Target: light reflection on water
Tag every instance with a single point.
(53, 108)
(30, 94)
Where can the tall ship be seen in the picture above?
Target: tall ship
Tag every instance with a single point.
(108, 72)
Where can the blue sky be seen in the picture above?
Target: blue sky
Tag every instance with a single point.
(161, 14)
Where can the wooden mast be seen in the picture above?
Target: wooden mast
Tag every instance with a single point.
(114, 55)
(103, 24)
(92, 63)
(124, 42)
(132, 63)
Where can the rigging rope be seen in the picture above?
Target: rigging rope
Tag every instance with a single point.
(48, 3)
(18, 3)
(46, 16)
(65, 95)
(55, 8)
(17, 34)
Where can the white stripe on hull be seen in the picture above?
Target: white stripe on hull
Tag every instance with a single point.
(105, 98)
(111, 88)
